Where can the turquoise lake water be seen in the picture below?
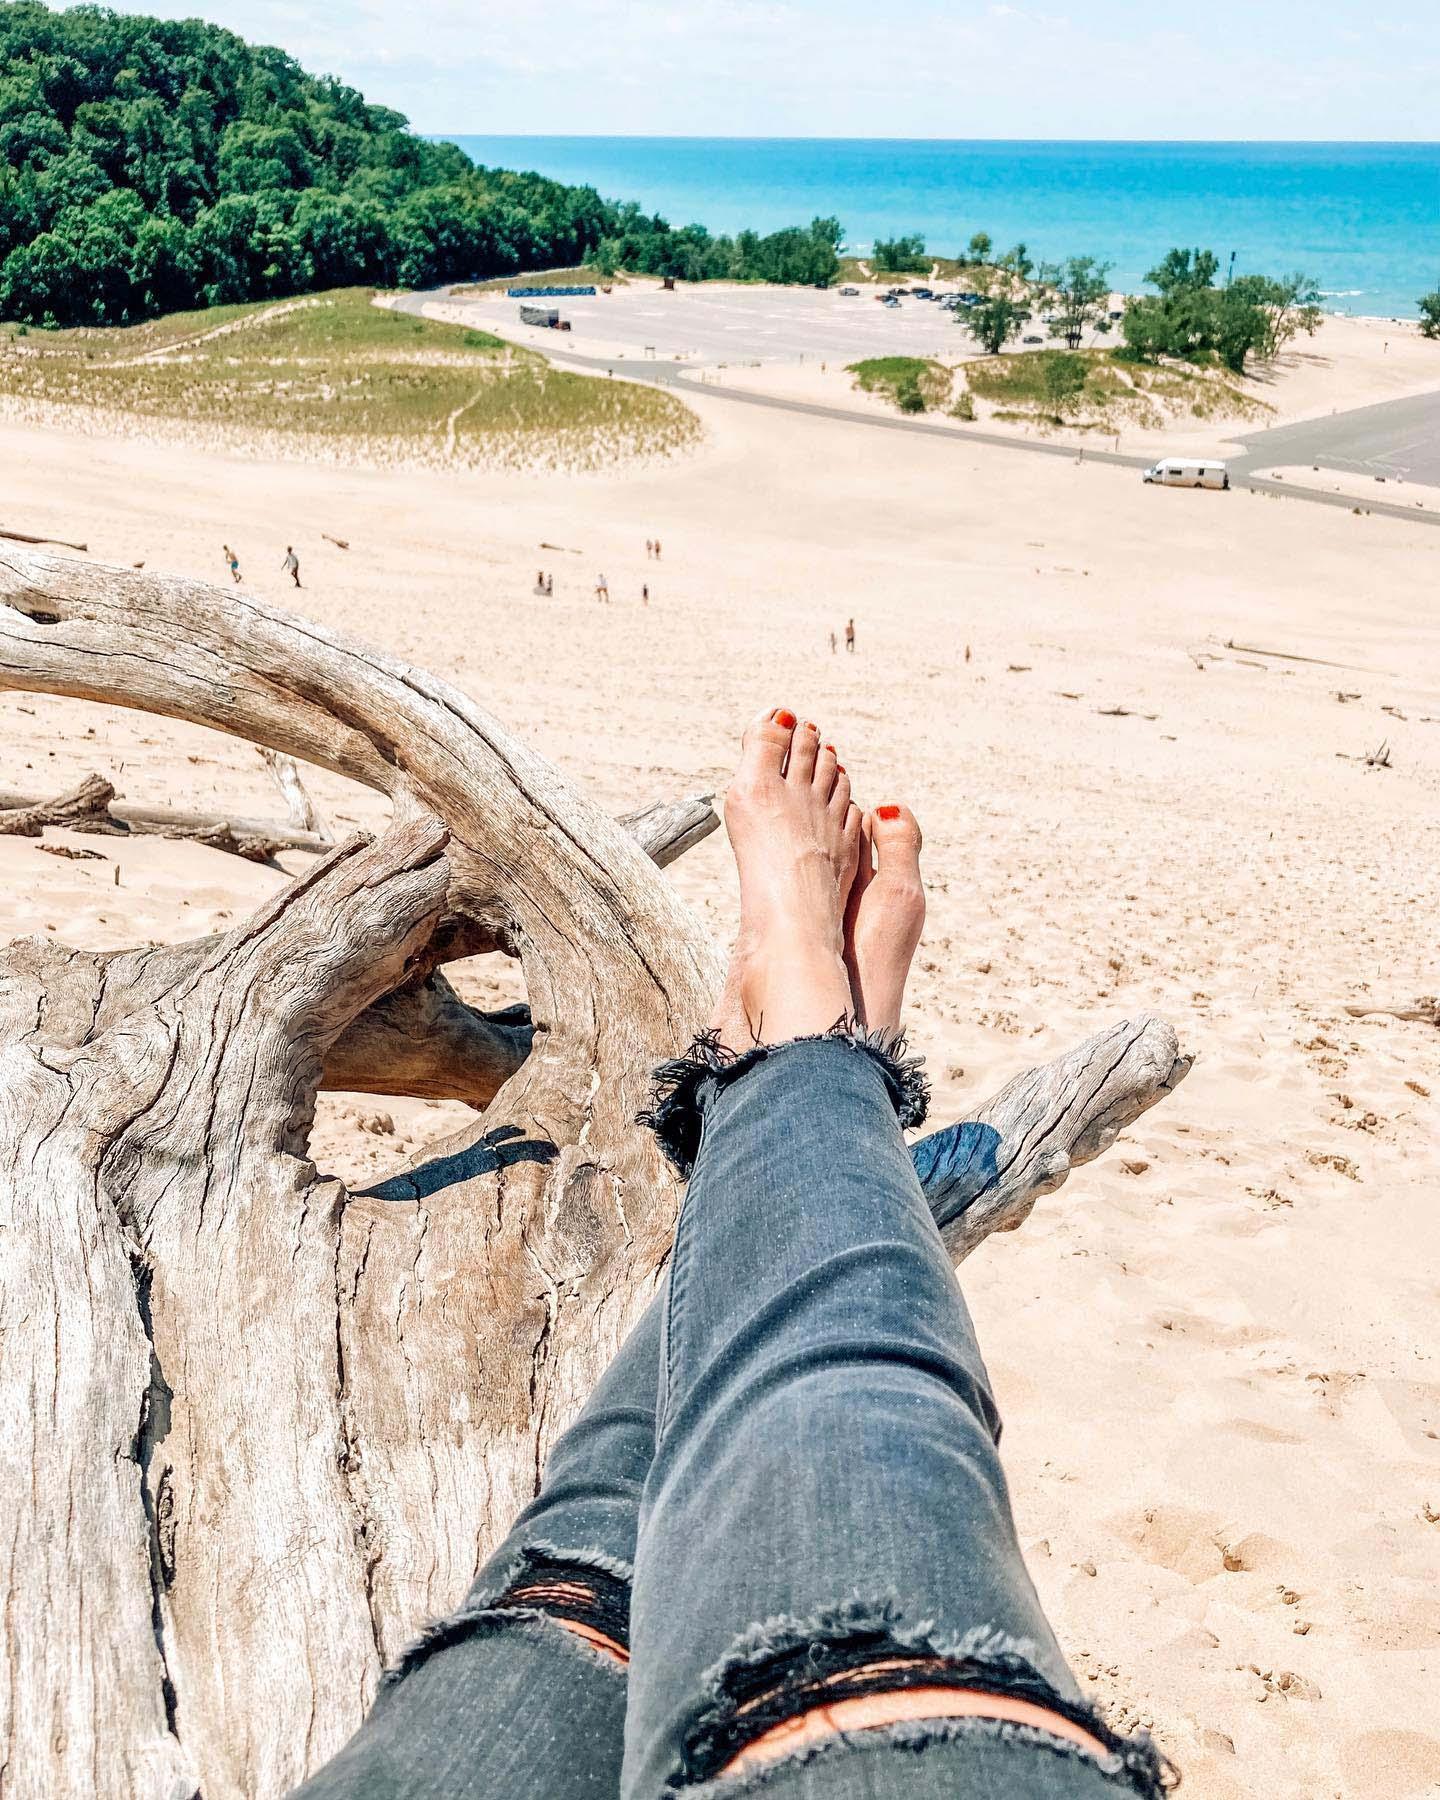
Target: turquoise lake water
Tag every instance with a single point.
(1362, 218)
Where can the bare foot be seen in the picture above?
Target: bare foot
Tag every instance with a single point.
(796, 838)
(884, 916)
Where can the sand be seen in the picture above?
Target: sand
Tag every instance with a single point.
(1215, 1349)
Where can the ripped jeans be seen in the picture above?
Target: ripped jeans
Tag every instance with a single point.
(785, 1491)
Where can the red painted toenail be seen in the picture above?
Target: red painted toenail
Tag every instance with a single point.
(785, 719)
(830, 748)
(839, 768)
(887, 812)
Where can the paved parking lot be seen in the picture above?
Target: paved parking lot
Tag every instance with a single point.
(714, 326)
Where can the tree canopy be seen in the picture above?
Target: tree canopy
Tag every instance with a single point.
(1254, 315)
(1429, 305)
(153, 164)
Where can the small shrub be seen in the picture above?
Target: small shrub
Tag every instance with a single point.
(964, 407)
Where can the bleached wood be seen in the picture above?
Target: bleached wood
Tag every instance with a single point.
(298, 804)
(256, 1430)
(986, 1173)
(92, 807)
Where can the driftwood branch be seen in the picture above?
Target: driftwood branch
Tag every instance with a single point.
(1426, 1009)
(987, 1173)
(665, 829)
(23, 537)
(92, 807)
(299, 807)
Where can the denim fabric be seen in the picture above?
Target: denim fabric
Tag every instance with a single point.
(825, 1461)
(824, 1473)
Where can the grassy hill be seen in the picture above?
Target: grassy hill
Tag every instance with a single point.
(335, 376)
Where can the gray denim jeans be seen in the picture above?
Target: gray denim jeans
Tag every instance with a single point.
(787, 1477)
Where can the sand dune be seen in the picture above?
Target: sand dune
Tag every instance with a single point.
(1215, 1349)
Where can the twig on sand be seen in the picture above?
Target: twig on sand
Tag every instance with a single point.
(1289, 656)
(22, 537)
(564, 548)
(339, 543)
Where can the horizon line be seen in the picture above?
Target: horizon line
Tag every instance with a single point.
(706, 137)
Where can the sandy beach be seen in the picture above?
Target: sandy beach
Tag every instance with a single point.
(1215, 1348)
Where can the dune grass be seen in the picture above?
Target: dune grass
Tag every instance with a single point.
(1117, 391)
(913, 383)
(337, 376)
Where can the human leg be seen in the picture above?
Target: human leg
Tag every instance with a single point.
(829, 1597)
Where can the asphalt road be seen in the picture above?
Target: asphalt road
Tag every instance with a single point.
(1407, 432)
(1396, 438)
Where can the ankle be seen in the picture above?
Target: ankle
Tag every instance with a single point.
(795, 988)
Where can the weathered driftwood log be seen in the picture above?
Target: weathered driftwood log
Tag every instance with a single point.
(253, 1430)
(92, 807)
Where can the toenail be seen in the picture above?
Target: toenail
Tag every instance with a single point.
(830, 748)
(810, 726)
(839, 768)
(785, 719)
(887, 812)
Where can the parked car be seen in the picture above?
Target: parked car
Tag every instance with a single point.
(1179, 471)
(922, 293)
(1031, 338)
(849, 293)
(890, 300)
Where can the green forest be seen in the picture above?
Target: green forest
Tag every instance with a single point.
(151, 165)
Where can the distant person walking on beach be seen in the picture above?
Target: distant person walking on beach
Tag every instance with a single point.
(649, 547)
(232, 562)
(834, 643)
(549, 586)
(539, 581)
(645, 593)
(850, 636)
(602, 589)
(657, 549)
(291, 564)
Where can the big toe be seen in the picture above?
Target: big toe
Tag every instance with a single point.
(766, 743)
(895, 838)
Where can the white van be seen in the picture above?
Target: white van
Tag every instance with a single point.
(1178, 472)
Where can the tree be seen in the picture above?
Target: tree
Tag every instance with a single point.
(243, 1387)
(1062, 377)
(1289, 305)
(979, 249)
(1429, 305)
(1184, 271)
(1017, 262)
(900, 255)
(994, 321)
(1081, 288)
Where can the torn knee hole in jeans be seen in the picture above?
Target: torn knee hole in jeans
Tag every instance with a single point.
(586, 1592)
(592, 1601)
(778, 1675)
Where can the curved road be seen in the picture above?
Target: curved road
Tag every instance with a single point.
(1400, 437)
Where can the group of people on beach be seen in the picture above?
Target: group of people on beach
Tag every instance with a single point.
(290, 564)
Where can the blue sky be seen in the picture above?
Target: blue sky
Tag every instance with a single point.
(873, 68)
